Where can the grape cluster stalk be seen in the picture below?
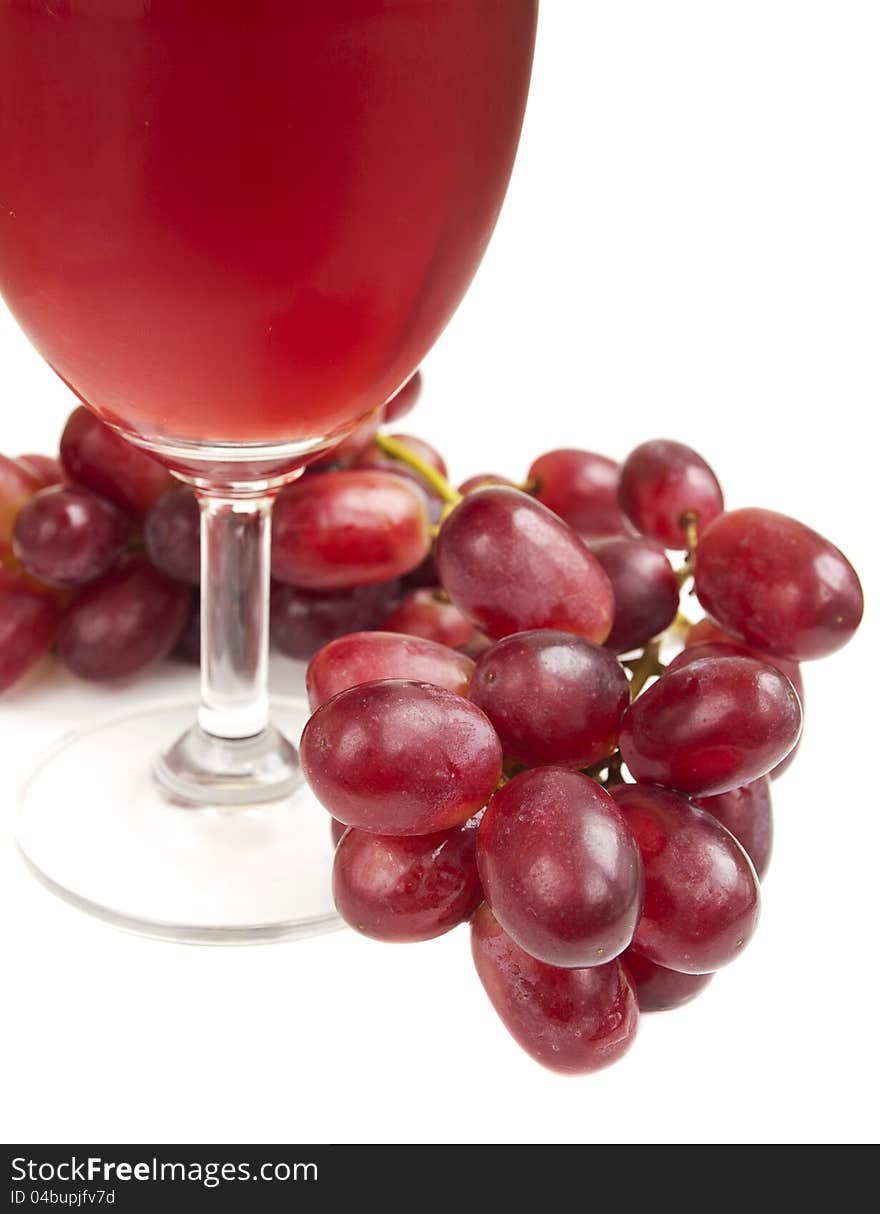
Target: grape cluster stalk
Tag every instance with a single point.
(498, 731)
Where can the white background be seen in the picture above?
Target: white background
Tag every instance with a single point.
(690, 248)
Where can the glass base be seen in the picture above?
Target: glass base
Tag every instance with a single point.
(95, 826)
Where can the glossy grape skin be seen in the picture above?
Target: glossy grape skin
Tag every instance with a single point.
(660, 482)
(718, 643)
(778, 585)
(345, 529)
(659, 989)
(95, 456)
(17, 485)
(122, 623)
(646, 591)
(581, 487)
(373, 457)
(172, 535)
(571, 1020)
(338, 829)
(381, 463)
(747, 812)
(510, 564)
(702, 897)
(301, 621)
(482, 480)
(553, 697)
(427, 614)
(560, 868)
(401, 758)
(28, 619)
(404, 890)
(404, 400)
(711, 726)
(45, 467)
(369, 657)
(68, 536)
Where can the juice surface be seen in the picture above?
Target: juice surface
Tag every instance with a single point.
(248, 220)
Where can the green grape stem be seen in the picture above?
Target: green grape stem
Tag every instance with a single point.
(689, 525)
(438, 482)
(644, 667)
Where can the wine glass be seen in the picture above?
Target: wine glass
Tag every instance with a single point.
(234, 228)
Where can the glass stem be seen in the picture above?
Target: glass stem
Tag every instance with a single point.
(236, 537)
(233, 755)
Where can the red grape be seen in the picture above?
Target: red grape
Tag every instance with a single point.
(660, 989)
(127, 620)
(560, 868)
(724, 645)
(67, 536)
(701, 893)
(406, 889)
(346, 529)
(646, 592)
(777, 585)
(706, 632)
(172, 535)
(553, 697)
(404, 400)
(28, 618)
(429, 614)
(304, 620)
(570, 1020)
(711, 726)
(46, 468)
(373, 457)
(368, 657)
(662, 481)
(17, 485)
(401, 758)
(581, 487)
(338, 829)
(747, 812)
(95, 456)
(481, 480)
(510, 564)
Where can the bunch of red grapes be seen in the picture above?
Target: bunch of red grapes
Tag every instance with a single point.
(498, 729)
(100, 552)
